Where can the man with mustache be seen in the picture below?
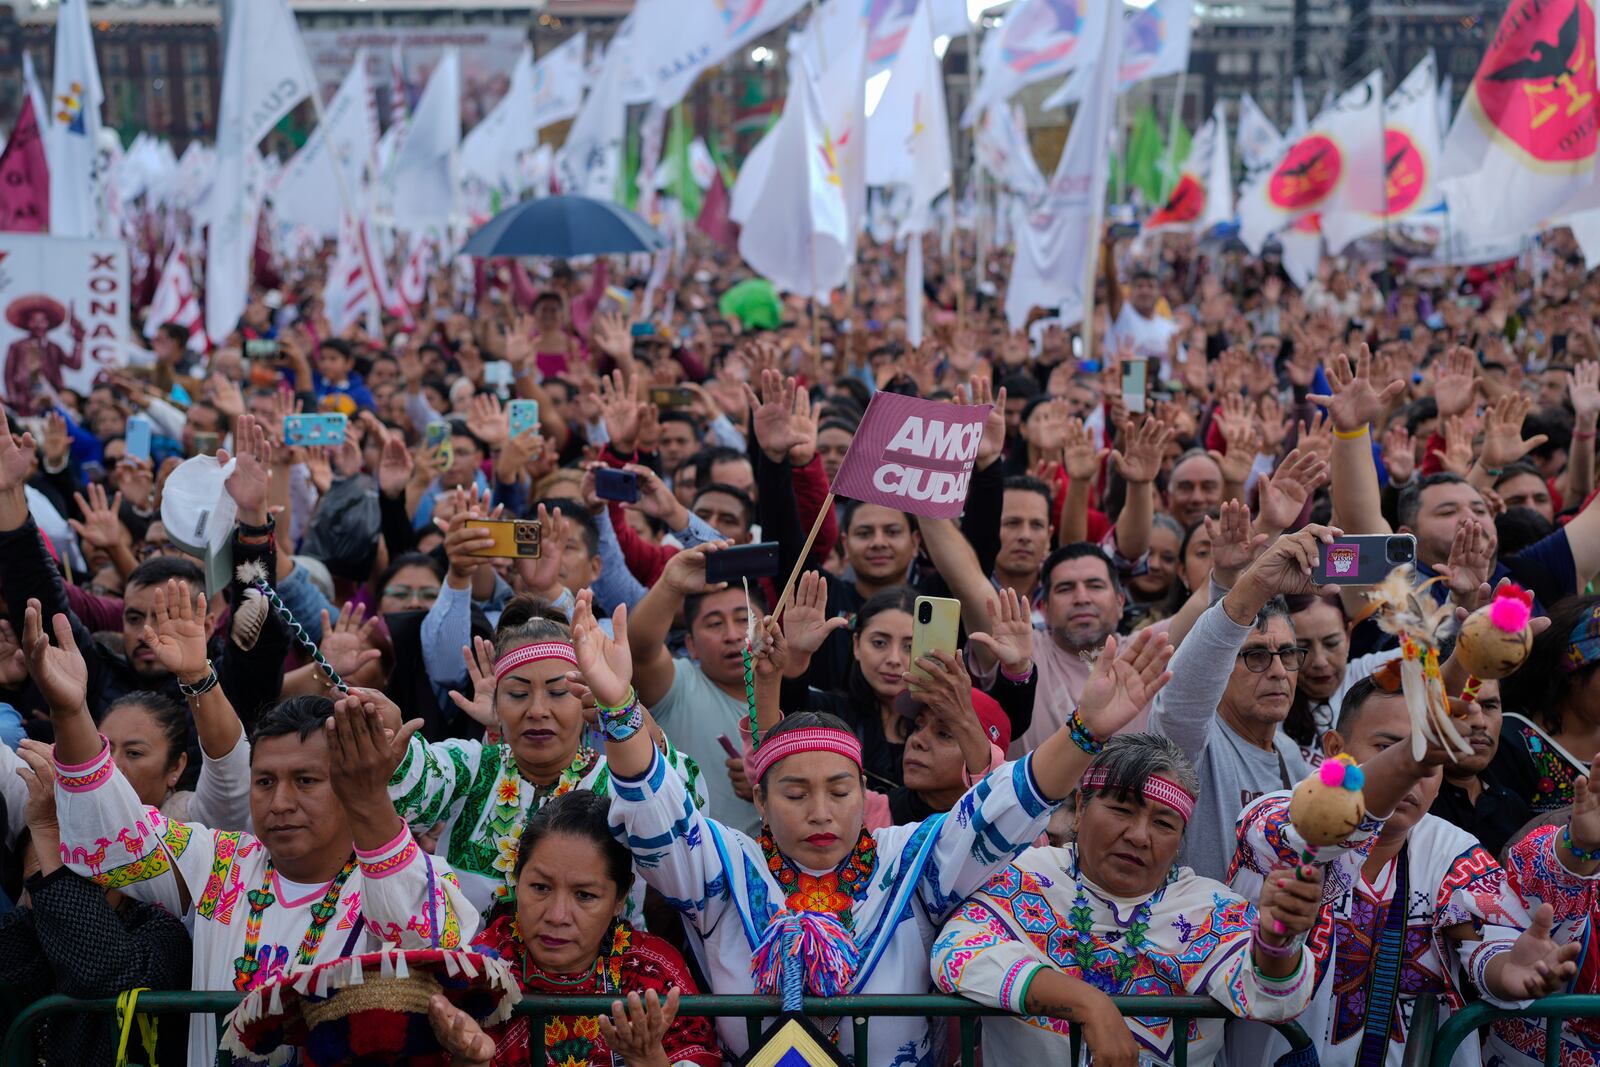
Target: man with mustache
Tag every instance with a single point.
(1490, 812)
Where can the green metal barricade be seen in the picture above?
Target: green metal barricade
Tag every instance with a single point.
(18, 1050)
(1434, 1046)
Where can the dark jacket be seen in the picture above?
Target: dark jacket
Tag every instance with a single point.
(251, 679)
(70, 940)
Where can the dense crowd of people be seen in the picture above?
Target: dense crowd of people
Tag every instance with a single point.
(298, 701)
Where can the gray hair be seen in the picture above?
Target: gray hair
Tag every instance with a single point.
(1163, 520)
(1129, 759)
(1275, 608)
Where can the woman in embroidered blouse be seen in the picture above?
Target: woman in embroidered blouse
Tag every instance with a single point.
(1551, 726)
(568, 936)
(1062, 930)
(482, 791)
(865, 904)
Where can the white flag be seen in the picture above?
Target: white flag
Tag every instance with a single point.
(558, 81)
(358, 287)
(803, 244)
(307, 191)
(1523, 147)
(915, 297)
(908, 136)
(590, 160)
(412, 286)
(264, 75)
(1057, 244)
(1299, 119)
(675, 40)
(1412, 145)
(1155, 43)
(74, 131)
(1260, 143)
(1039, 39)
(490, 152)
(41, 110)
(1336, 169)
(1202, 196)
(1001, 144)
(176, 301)
(423, 180)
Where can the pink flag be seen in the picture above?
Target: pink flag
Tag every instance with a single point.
(24, 177)
(913, 455)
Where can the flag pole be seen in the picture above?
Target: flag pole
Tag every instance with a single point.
(1169, 176)
(805, 554)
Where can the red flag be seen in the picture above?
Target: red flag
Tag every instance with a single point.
(714, 221)
(25, 177)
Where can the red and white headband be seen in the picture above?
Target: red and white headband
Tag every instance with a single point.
(815, 739)
(1157, 790)
(519, 657)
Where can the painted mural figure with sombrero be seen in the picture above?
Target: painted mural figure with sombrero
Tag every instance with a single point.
(330, 870)
(35, 360)
(861, 909)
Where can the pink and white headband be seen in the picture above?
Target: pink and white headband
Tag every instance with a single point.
(815, 739)
(519, 657)
(1157, 790)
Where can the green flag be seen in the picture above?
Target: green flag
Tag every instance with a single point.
(683, 187)
(1174, 160)
(628, 193)
(1144, 156)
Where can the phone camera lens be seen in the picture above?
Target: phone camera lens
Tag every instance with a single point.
(1400, 551)
(926, 613)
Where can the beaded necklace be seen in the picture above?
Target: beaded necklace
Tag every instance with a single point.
(503, 825)
(246, 966)
(835, 892)
(1080, 919)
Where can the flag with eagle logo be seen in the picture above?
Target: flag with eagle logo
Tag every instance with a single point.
(1203, 194)
(1523, 144)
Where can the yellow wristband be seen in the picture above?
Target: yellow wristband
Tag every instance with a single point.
(1350, 435)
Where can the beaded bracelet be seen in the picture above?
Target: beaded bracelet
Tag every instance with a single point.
(203, 686)
(621, 723)
(627, 702)
(1082, 736)
(1276, 952)
(1588, 855)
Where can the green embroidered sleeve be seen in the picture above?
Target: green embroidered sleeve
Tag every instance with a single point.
(432, 777)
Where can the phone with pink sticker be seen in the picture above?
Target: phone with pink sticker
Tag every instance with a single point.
(1363, 559)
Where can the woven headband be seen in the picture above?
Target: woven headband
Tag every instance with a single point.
(1157, 789)
(1583, 644)
(528, 653)
(815, 739)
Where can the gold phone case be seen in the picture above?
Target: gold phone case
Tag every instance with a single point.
(513, 538)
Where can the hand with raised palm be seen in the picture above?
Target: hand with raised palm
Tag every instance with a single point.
(1010, 635)
(1288, 563)
(612, 336)
(1081, 456)
(1233, 545)
(16, 458)
(1355, 401)
(1503, 443)
(1471, 561)
(1283, 496)
(488, 420)
(57, 441)
(981, 391)
(619, 408)
(101, 526)
(347, 641)
(1585, 389)
(177, 631)
(480, 671)
(395, 465)
(1144, 447)
(1399, 455)
(13, 664)
(777, 431)
(1455, 382)
(1126, 677)
(59, 669)
(806, 624)
(605, 662)
(248, 482)
(544, 575)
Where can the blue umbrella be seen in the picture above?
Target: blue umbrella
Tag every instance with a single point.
(564, 227)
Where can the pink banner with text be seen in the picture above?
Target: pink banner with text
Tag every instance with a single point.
(913, 455)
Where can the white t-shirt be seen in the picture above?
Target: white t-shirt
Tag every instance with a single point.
(1149, 336)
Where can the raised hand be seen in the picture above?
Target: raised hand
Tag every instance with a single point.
(1272, 426)
(1455, 382)
(177, 631)
(1355, 401)
(488, 420)
(1233, 546)
(1399, 455)
(1242, 446)
(806, 624)
(134, 479)
(1456, 456)
(619, 406)
(994, 427)
(1287, 564)
(16, 458)
(57, 441)
(611, 335)
(58, 670)
(225, 396)
(1283, 496)
(1503, 443)
(248, 482)
(605, 662)
(685, 573)
(637, 1025)
(347, 642)
(1010, 636)
(656, 500)
(101, 526)
(1144, 449)
(1471, 561)
(1081, 456)
(480, 671)
(13, 664)
(1584, 385)
(395, 465)
(1316, 437)
(544, 574)
(363, 752)
(1125, 678)
(461, 540)
(777, 430)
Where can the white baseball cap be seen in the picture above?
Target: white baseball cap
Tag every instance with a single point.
(199, 515)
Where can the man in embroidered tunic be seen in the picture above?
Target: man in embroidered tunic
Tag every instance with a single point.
(1374, 961)
(333, 870)
(1062, 930)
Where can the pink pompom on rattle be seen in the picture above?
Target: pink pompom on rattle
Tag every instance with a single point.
(1332, 774)
(1511, 610)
